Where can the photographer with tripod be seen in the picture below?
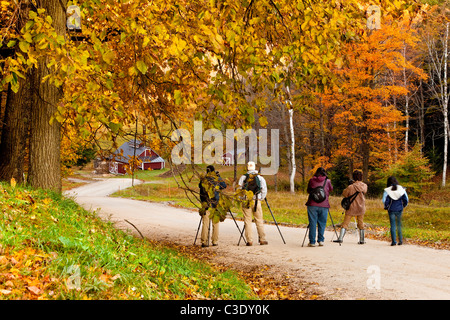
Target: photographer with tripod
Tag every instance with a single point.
(356, 190)
(209, 197)
(319, 188)
(252, 181)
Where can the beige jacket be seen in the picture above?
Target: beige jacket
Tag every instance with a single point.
(358, 206)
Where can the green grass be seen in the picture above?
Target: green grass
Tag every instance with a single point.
(48, 243)
(160, 189)
(426, 219)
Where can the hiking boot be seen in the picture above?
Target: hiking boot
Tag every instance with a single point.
(204, 245)
(361, 237)
(341, 236)
(264, 242)
(311, 244)
(249, 244)
(320, 244)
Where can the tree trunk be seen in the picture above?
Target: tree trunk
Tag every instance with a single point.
(235, 179)
(13, 145)
(407, 97)
(420, 102)
(286, 135)
(365, 150)
(45, 139)
(292, 136)
(322, 129)
(445, 96)
(293, 167)
(350, 156)
(14, 134)
(439, 83)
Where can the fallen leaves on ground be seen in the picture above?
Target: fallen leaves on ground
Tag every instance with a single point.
(266, 283)
(22, 275)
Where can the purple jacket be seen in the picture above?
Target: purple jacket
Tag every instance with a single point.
(315, 182)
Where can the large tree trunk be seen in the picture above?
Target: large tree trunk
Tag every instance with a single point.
(14, 134)
(13, 145)
(45, 170)
(45, 139)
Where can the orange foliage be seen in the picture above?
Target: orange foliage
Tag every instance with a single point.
(361, 115)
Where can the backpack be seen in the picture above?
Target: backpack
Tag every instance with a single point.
(318, 194)
(347, 201)
(252, 183)
(209, 194)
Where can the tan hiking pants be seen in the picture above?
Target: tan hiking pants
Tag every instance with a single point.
(359, 221)
(248, 217)
(205, 227)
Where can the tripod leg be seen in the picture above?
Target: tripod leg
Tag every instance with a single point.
(275, 221)
(239, 229)
(209, 229)
(306, 233)
(198, 229)
(329, 212)
(242, 236)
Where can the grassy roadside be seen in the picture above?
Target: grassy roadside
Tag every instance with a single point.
(426, 221)
(50, 248)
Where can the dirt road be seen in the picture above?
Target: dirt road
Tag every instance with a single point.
(350, 271)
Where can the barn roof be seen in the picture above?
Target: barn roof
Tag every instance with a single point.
(239, 151)
(128, 151)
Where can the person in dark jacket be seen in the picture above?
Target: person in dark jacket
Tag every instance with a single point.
(395, 199)
(318, 212)
(209, 197)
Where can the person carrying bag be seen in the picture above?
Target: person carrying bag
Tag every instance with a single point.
(355, 191)
(252, 181)
(319, 188)
(209, 197)
(395, 199)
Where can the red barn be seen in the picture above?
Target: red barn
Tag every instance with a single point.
(228, 157)
(149, 158)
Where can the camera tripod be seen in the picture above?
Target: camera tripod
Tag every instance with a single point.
(209, 227)
(356, 229)
(242, 233)
(332, 222)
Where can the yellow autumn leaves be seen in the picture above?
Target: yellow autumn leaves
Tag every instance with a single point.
(22, 274)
